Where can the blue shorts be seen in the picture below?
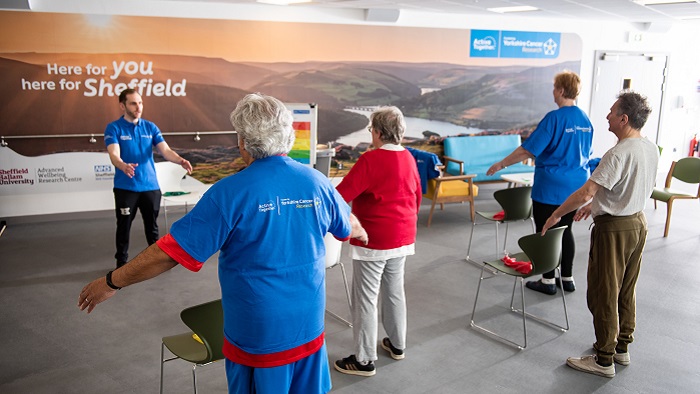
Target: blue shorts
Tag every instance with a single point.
(309, 375)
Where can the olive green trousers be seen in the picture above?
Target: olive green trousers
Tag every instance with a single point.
(615, 258)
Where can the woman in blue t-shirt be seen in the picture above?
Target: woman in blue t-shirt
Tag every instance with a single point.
(561, 147)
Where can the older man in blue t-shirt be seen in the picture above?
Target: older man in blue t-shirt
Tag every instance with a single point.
(268, 222)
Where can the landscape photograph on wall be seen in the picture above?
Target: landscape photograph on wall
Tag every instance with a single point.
(191, 73)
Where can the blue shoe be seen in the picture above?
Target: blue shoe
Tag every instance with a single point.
(569, 285)
(537, 285)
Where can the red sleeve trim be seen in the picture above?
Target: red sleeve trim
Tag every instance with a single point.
(239, 356)
(169, 245)
(343, 239)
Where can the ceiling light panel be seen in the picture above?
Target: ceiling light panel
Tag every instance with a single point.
(517, 8)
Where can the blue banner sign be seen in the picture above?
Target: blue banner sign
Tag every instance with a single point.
(514, 44)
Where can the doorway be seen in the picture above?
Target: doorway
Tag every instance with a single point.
(615, 71)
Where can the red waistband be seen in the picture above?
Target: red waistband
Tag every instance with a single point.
(269, 360)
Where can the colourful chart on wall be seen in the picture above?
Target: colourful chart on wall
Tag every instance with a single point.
(305, 124)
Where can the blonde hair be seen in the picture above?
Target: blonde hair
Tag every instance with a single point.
(570, 82)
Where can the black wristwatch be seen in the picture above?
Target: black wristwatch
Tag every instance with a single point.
(109, 281)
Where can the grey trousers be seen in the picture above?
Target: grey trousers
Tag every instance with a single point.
(367, 278)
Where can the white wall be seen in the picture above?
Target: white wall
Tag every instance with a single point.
(678, 123)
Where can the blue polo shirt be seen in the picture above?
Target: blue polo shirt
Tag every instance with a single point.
(561, 144)
(136, 142)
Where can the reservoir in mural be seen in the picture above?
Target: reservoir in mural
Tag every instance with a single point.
(414, 128)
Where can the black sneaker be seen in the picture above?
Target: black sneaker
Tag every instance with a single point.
(569, 285)
(350, 366)
(537, 285)
(396, 354)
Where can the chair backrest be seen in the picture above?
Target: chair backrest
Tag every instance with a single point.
(687, 170)
(207, 321)
(515, 202)
(333, 249)
(169, 176)
(544, 252)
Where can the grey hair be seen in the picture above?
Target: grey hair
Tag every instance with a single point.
(635, 106)
(390, 124)
(265, 125)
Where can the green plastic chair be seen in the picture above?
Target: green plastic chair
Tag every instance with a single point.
(686, 170)
(207, 322)
(544, 252)
(516, 203)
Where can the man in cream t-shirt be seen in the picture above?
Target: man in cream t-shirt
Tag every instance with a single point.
(619, 188)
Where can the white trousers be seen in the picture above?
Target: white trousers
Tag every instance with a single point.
(368, 277)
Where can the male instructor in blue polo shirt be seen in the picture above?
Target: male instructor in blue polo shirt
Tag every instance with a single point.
(268, 221)
(130, 141)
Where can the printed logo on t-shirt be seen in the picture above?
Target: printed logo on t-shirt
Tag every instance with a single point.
(584, 129)
(286, 202)
(150, 137)
(266, 207)
(298, 203)
(125, 137)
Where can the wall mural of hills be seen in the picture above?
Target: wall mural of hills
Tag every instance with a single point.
(490, 98)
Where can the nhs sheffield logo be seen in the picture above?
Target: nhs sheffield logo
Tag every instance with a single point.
(484, 43)
(103, 172)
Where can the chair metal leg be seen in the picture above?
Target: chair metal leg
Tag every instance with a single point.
(498, 249)
(165, 213)
(339, 318)
(194, 377)
(347, 293)
(469, 249)
(489, 332)
(347, 288)
(542, 320)
(162, 361)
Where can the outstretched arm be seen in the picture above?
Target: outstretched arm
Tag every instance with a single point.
(148, 264)
(578, 198)
(518, 155)
(115, 157)
(172, 156)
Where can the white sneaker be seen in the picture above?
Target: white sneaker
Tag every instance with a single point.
(589, 364)
(622, 358)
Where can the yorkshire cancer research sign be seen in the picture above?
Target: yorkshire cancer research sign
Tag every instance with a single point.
(514, 44)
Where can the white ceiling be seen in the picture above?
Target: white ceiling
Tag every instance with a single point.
(607, 10)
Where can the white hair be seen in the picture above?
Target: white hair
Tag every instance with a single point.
(265, 125)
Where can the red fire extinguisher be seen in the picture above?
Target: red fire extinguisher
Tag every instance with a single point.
(693, 146)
